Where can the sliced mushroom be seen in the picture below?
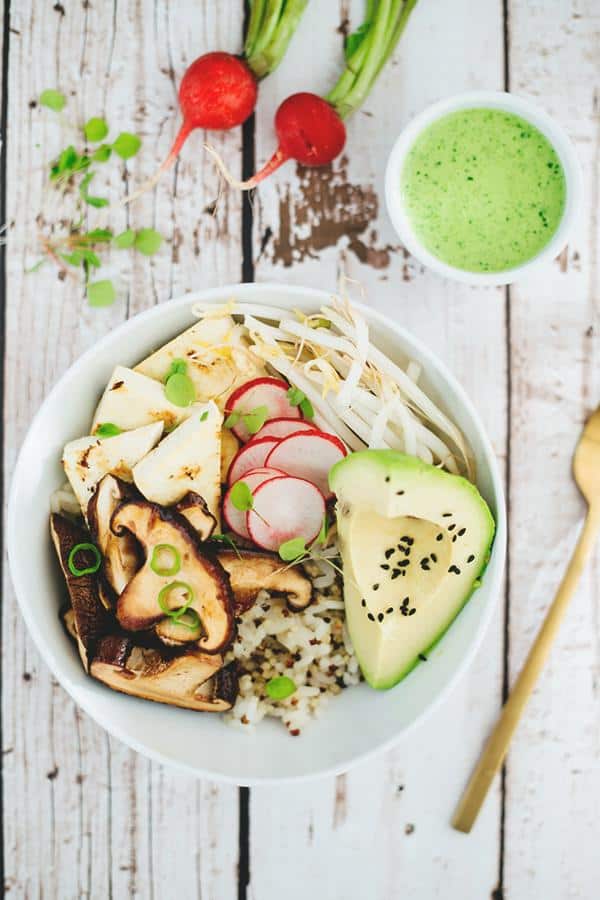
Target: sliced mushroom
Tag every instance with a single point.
(122, 555)
(195, 509)
(67, 617)
(138, 607)
(251, 572)
(191, 679)
(92, 621)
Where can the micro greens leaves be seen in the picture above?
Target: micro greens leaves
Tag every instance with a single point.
(127, 145)
(232, 419)
(179, 389)
(95, 130)
(102, 153)
(96, 202)
(299, 398)
(241, 496)
(293, 549)
(256, 418)
(125, 240)
(280, 688)
(107, 429)
(322, 535)
(101, 293)
(177, 367)
(226, 539)
(53, 100)
(204, 416)
(148, 241)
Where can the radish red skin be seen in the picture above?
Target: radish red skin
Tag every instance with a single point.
(218, 91)
(285, 508)
(264, 391)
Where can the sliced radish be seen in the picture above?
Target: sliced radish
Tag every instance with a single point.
(285, 508)
(308, 455)
(250, 456)
(269, 392)
(284, 426)
(236, 518)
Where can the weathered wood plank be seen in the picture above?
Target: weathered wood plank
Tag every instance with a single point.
(383, 830)
(554, 766)
(84, 816)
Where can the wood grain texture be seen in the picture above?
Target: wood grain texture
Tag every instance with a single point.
(85, 816)
(554, 766)
(386, 823)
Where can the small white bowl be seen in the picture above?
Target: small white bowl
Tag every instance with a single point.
(353, 725)
(495, 100)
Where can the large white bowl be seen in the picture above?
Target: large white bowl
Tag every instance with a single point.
(357, 723)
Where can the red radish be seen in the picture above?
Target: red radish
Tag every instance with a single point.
(251, 456)
(236, 518)
(308, 130)
(285, 508)
(218, 91)
(284, 426)
(308, 455)
(269, 392)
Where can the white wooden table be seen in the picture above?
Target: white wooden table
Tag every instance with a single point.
(83, 815)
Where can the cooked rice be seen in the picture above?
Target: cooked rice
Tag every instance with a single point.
(311, 647)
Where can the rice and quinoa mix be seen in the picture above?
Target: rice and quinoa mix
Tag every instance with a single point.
(311, 647)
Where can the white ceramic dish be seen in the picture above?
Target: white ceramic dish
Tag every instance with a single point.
(495, 100)
(356, 724)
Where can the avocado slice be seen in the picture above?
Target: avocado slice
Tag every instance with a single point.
(414, 542)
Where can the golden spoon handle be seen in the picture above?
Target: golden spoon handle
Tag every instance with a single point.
(497, 746)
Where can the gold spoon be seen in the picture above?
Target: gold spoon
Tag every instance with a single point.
(586, 469)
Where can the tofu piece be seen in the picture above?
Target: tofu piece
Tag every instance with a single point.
(88, 459)
(188, 459)
(132, 400)
(216, 351)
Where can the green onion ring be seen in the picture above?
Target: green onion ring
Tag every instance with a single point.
(90, 569)
(193, 625)
(163, 603)
(174, 569)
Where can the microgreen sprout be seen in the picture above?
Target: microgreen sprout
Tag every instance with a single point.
(253, 420)
(280, 688)
(299, 398)
(53, 100)
(107, 429)
(241, 496)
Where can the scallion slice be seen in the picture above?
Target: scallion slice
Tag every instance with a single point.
(280, 688)
(165, 571)
(163, 599)
(83, 548)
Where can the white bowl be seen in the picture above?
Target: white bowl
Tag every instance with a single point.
(355, 724)
(495, 100)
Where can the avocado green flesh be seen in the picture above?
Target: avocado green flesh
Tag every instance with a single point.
(414, 539)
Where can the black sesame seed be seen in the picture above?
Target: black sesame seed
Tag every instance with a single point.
(454, 539)
(410, 541)
(384, 566)
(403, 563)
(455, 570)
(370, 617)
(412, 611)
(380, 617)
(461, 532)
(390, 610)
(422, 657)
(399, 493)
(452, 526)
(405, 538)
(363, 602)
(387, 479)
(446, 515)
(440, 537)
(433, 557)
(376, 587)
(389, 552)
(471, 558)
(395, 573)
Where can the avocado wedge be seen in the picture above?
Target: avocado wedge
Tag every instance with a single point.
(414, 542)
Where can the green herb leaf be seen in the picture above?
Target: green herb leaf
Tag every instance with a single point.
(91, 259)
(101, 293)
(179, 389)
(95, 130)
(306, 408)
(241, 496)
(232, 419)
(98, 235)
(73, 259)
(204, 416)
(102, 153)
(256, 418)
(177, 367)
(354, 40)
(226, 539)
(280, 688)
(299, 398)
(107, 429)
(147, 241)
(125, 240)
(322, 535)
(97, 202)
(53, 100)
(292, 549)
(64, 164)
(127, 145)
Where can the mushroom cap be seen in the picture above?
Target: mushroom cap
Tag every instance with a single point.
(251, 572)
(195, 509)
(138, 606)
(121, 554)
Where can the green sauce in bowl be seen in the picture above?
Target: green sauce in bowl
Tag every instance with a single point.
(483, 189)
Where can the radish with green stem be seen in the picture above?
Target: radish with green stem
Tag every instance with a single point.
(310, 129)
(218, 91)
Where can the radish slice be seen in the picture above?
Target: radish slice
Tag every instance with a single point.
(236, 518)
(269, 392)
(284, 426)
(251, 456)
(308, 455)
(285, 508)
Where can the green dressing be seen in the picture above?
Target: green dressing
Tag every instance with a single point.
(484, 190)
